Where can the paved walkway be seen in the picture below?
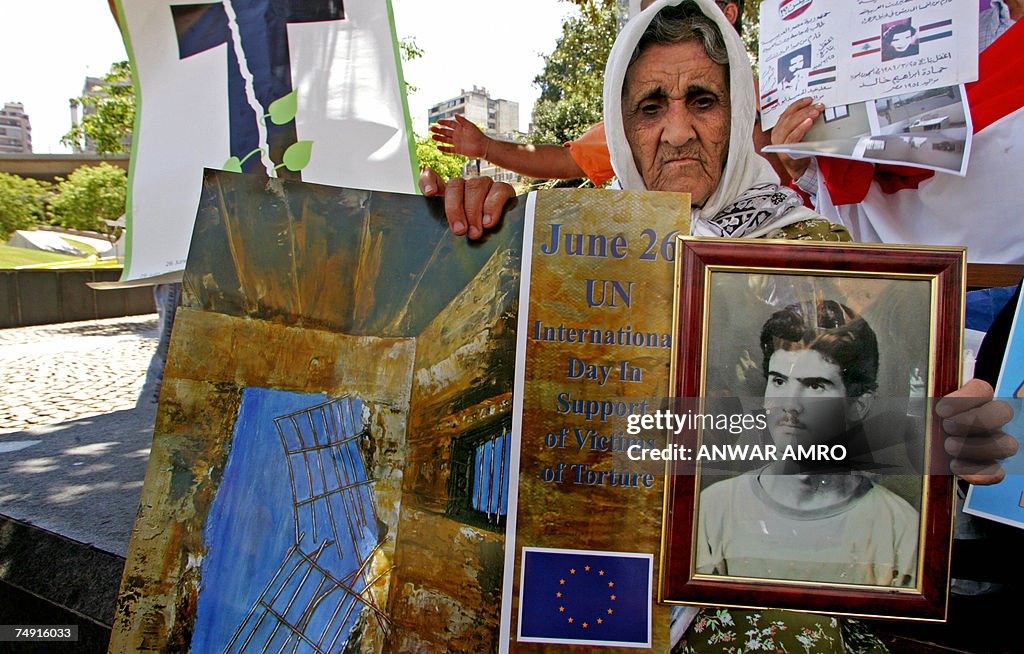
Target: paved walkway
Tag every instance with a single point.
(52, 374)
(73, 447)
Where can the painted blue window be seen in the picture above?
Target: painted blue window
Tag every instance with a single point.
(490, 475)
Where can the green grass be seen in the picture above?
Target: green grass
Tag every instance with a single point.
(11, 257)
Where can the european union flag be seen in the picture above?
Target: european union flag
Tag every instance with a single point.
(585, 598)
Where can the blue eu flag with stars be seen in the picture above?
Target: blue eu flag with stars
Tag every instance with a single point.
(586, 598)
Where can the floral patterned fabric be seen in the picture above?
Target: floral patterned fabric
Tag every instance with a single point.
(754, 212)
(815, 229)
(735, 631)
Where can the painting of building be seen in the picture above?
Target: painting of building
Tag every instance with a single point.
(329, 467)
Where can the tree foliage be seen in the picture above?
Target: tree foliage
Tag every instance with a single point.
(572, 80)
(22, 203)
(558, 122)
(90, 196)
(446, 165)
(409, 50)
(751, 32)
(114, 118)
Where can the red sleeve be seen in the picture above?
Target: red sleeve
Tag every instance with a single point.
(804, 197)
(848, 181)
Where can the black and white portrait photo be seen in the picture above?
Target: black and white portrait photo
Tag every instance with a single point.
(794, 68)
(833, 498)
(899, 39)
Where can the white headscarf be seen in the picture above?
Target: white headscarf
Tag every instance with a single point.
(748, 200)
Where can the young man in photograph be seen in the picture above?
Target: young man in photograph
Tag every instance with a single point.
(800, 517)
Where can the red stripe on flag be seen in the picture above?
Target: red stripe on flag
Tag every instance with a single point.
(866, 52)
(862, 41)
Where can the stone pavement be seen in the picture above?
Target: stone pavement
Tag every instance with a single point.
(51, 374)
(73, 446)
(73, 455)
(81, 479)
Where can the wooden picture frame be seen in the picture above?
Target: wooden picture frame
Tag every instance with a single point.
(765, 538)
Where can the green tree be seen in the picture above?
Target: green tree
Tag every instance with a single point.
(751, 32)
(409, 50)
(572, 80)
(110, 125)
(565, 120)
(447, 165)
(90, 196)
(22, 203)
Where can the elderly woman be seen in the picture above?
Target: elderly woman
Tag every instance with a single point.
(679, 111)
(678, 120)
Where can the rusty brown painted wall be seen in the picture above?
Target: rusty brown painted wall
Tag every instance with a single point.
(447, 588)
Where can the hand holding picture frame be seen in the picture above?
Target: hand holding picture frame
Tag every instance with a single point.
(838, 497)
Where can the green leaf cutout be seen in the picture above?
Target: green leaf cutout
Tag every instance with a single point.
(283, 109)
(233, 165)
(297, 155)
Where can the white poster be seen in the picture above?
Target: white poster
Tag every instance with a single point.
(304, 89)
(929, 129)
(847, 52)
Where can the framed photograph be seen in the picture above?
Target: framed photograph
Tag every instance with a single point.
(808, 472)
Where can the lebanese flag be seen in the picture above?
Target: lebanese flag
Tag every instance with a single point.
(911, 205)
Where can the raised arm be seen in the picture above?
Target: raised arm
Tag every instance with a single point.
(460, 136)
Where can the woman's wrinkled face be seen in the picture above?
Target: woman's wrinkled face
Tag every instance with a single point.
(676, 110)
